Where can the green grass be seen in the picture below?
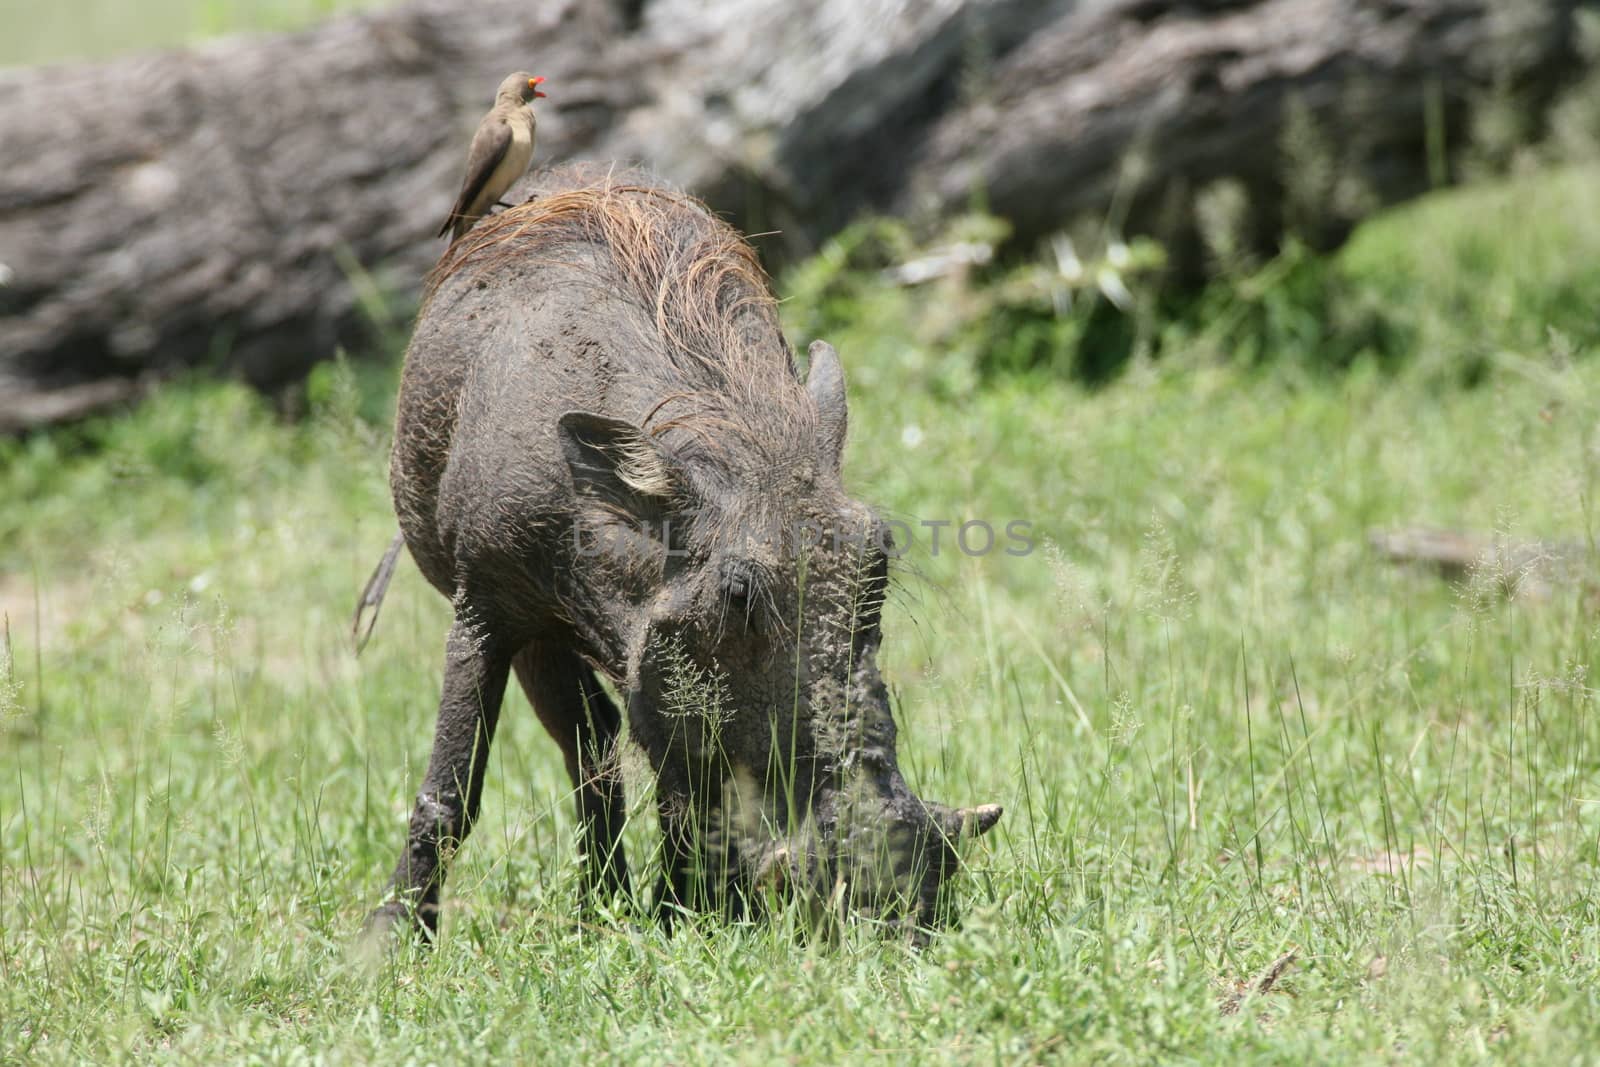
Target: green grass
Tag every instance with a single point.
(76, 30)
(1222, 730)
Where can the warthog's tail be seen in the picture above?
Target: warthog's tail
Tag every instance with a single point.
(372, 595)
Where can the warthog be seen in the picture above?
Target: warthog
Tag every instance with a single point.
(606, 458)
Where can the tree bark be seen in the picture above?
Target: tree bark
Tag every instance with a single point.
(1321, 112)
(234, 206)
(251, 204)
(1532, 569)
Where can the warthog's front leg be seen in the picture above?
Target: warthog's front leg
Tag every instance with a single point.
(475, 673)
(582, 719)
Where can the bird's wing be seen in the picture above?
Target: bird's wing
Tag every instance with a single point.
(489, 147)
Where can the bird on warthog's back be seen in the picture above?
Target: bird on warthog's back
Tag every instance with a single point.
(501, 151)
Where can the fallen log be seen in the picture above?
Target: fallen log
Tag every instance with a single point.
(251, 204)
(233, 205)
(1319, 111)
(1531, 569)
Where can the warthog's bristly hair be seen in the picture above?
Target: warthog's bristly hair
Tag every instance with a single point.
(706, 297)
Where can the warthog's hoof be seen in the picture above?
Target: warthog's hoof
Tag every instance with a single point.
(393, 922)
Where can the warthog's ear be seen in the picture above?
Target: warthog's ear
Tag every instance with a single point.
(825, 383)
(619, 463)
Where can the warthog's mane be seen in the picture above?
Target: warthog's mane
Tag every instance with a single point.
(703, 293)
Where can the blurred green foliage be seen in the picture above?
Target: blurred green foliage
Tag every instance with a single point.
(1435, 282)
(69, 30)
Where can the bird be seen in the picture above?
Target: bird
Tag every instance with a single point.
(500, 153)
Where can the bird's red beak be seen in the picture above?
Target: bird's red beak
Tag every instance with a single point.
(534, 83)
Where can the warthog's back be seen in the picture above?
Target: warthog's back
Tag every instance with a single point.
(605, 293)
